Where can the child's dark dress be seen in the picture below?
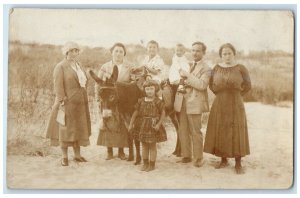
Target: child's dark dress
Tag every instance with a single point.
(149, 113)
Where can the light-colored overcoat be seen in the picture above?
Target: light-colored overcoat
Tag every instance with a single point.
(78, 123)
(196, 96)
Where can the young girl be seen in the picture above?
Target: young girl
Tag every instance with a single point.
(146, 124)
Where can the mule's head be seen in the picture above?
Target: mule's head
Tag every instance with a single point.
(107, 92)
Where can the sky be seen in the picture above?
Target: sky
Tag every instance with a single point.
(246, 30)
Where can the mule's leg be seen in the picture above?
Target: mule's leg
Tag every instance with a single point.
(126, 118)
(175, 122)
(177, 150)
(138, 152)
(130, 145)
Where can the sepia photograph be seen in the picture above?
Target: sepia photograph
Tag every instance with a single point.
(150, 99)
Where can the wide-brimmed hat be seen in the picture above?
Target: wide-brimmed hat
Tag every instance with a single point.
(69, 46)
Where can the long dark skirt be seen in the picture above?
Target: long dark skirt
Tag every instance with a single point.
(227, 132)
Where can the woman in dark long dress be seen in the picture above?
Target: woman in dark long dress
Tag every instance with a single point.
(227, 132)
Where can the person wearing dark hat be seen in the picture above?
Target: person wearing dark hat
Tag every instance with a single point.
(70, 123)
(146, 123)
(192, 104)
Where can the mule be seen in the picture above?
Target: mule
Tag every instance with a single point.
(121, 97)
(118, 100)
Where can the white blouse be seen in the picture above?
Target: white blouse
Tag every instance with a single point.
(81, 75)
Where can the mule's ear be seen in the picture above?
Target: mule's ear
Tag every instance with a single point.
(95, 77)
(115, 73)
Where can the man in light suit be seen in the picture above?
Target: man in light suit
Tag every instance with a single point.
(192, 104)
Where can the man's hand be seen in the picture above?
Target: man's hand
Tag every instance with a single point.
(183, 73)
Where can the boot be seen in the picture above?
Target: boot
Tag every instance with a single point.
(151, 167)
(121, 154)
(138, 160)
(138, 153)
(109, 153)
(238, 166)
(223, 163)
(146, 165)
(185, 160)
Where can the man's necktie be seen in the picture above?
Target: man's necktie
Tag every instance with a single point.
(193, 67)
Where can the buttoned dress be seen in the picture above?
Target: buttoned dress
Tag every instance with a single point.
(227, 131)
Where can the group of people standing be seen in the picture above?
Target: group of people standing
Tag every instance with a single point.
(226, 135)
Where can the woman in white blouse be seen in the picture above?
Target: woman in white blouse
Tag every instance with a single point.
(70, 83)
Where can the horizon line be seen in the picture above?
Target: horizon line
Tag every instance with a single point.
(138, 44)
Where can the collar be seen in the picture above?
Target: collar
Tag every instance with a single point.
(122, 65)
(198, 61)
(155, 57)
(149, 100)
(226, 65)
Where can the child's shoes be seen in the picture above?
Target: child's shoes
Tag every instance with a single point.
(145, 165)
(151, 166)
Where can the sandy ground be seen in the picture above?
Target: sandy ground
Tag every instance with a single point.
(269, 166)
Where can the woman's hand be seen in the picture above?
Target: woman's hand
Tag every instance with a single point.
(130, 128)
(64, 101)
(156, 127)
(135, 68)
(230, 84)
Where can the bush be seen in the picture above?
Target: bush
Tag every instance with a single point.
(31, 66)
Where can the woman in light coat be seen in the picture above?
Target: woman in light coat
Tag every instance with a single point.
(70, 82)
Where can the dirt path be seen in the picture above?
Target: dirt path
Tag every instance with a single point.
(270, 165)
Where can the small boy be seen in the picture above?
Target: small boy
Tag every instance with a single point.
(179, 61)
(153, 62)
